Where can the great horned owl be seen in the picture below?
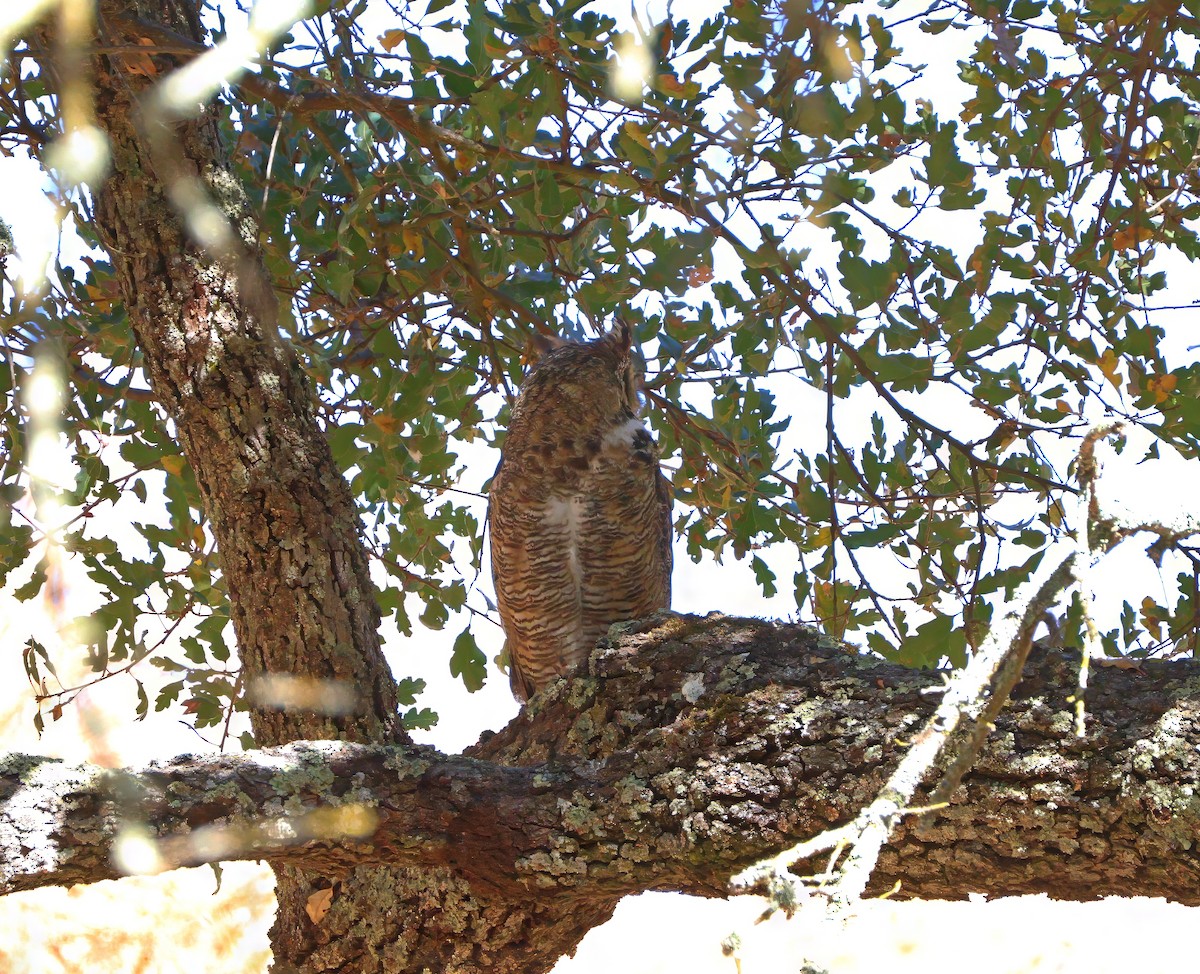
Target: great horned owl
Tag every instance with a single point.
(580, 511)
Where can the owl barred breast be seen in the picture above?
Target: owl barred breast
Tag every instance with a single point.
(580, 510)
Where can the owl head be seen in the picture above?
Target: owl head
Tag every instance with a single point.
(611, 358)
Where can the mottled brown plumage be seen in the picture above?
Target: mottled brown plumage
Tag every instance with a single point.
(580, 511)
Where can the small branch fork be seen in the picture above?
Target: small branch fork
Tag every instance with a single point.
(971, 699)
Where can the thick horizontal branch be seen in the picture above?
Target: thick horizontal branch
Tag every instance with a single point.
(687, 750)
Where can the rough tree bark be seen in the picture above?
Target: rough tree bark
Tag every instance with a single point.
(685, 752)
(285, 523)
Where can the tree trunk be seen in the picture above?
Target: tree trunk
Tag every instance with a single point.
(287, 531)
(286, 527)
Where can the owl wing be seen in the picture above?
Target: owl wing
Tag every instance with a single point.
(517, 680)
(511, 538)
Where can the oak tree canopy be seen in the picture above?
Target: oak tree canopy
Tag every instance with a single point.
(887, 265)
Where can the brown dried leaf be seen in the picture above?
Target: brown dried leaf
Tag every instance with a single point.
(141, 64)
(318, 904)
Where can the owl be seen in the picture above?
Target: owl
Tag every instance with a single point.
(580, 511)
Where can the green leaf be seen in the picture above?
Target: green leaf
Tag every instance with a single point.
(423, 719)
(23, 593)
(764, 576)
(467, 661)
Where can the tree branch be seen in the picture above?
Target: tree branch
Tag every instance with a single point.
(684, 753)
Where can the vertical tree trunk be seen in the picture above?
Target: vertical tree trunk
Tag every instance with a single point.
(287, 531)
(285, 523)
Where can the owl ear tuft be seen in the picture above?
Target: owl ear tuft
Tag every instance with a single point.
(621, 335)
(540, 344)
